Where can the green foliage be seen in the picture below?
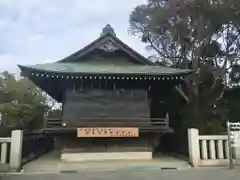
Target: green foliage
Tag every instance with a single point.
(199, 34)
(22, 105)
(190, 31)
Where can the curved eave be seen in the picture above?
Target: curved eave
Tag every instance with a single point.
(46, 79)
(115, 72)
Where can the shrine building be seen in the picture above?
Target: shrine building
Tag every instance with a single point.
(113, 100)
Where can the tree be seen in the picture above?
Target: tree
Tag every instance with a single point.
(22, 104)
(199, 34)
(183, 31)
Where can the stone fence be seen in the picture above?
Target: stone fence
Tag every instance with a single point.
(208, 150)
(11, 158)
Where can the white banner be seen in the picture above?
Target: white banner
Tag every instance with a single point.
(235, 139)
(235, 133)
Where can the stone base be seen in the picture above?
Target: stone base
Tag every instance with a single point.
(101, 156)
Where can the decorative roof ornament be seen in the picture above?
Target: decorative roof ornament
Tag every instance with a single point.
(108, 47)
(108, 29)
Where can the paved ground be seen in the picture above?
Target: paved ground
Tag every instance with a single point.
(202, 174)
(50, 163)
(49, 167)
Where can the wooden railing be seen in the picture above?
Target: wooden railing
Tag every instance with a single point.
(142, 123)
(53, 123)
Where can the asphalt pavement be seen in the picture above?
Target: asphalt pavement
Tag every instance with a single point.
(191, 174)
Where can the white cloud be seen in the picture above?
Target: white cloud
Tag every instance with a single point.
(39, 31)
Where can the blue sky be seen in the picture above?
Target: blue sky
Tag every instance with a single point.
(40, 31)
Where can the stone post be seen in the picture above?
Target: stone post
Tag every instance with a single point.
(4, 153)
(16, 150)
(193, 146)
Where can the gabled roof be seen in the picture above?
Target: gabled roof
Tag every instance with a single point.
(107, 36)
(82, 64)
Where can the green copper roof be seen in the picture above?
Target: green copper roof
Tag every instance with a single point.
(84, 68)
